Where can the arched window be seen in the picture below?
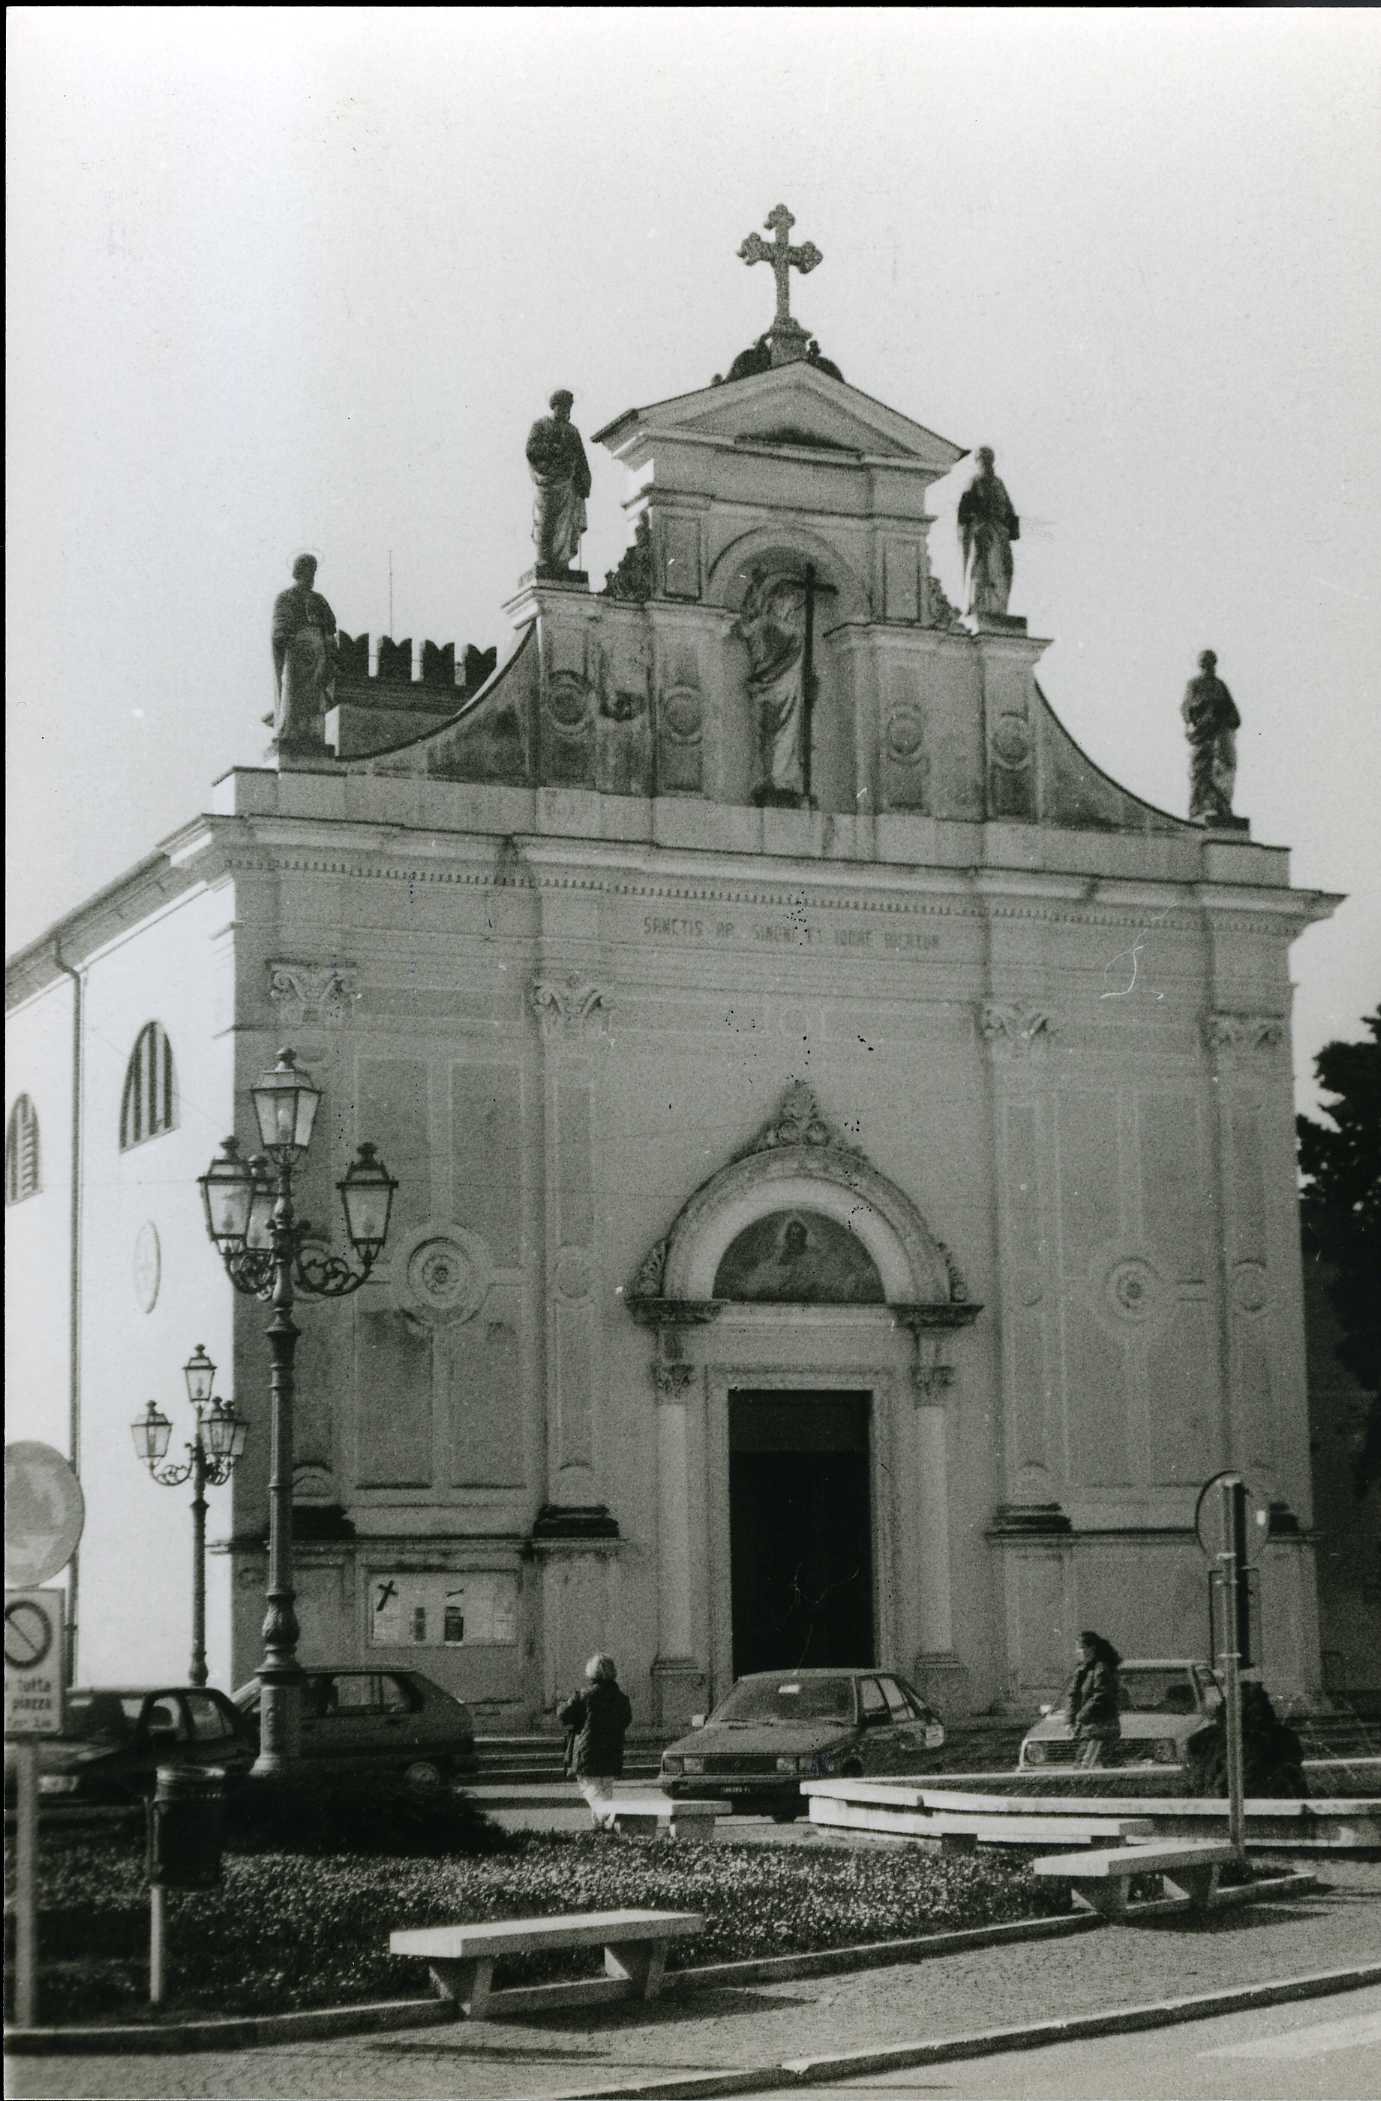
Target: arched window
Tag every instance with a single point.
(149, 1105)
(21, 1152)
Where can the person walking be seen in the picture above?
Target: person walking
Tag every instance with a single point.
(1093, 1703)
(596, 1722)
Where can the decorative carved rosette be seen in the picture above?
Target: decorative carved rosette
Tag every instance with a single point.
(443, 1274)
(306, 992)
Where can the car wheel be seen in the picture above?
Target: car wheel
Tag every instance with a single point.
(785, 1816)
(425, 1775)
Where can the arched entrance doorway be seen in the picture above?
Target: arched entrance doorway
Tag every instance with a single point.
(801, 1306)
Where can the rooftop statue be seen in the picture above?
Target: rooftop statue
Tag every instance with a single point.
(772, 626)
(304, 662)
(987, 527)
(561, 481)
(1211, 721)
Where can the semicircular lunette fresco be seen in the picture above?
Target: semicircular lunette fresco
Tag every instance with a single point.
(799, 1258)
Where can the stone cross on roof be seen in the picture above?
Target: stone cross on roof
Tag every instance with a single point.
(787, 340)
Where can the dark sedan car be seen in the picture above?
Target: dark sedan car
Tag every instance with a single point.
(114, 1739)
(778, 1728)
(379, 1721)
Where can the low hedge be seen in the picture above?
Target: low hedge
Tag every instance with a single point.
(288, 1930)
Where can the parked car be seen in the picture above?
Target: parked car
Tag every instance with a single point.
(379, 1721)
(1168, 1706)
(114, 1739)
(778, 1727)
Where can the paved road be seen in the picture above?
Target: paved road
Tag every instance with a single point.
(1320, 2050)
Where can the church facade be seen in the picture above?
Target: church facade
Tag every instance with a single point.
(844, 1140)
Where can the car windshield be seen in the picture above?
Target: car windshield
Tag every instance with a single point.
(788, 1699)
(93, 1714)
(1158, 1689)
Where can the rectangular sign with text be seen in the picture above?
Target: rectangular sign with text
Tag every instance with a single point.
(34, 1675)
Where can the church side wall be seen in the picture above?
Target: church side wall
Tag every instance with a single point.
(152, 1289)
(38, 1252)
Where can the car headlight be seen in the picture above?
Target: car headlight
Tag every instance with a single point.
(788, 1765)
(673, 1765)
(1166, 1750)
(1033, 1754)
(59, 1783)
(692, 1765)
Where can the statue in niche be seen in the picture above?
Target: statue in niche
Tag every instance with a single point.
(987, 527)
(801, 1259)
(561, 481)
(772, 627)
(1211, 722)
(304, 661)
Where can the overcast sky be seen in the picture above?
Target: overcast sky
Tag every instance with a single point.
(286, 278)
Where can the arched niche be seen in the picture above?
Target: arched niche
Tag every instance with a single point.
(775, 546)
(823, 1179)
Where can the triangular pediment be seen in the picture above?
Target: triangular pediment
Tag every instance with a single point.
(792, 407)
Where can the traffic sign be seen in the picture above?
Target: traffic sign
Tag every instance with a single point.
(44, 1513)
(1207, 1521)
(34, 1675)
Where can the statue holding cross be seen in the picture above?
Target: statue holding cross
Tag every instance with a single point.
(787, 341)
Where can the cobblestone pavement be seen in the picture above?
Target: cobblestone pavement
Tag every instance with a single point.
(761, 2026)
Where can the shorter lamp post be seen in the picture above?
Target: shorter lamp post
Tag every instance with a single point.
(216, 1444)
(271, 1254)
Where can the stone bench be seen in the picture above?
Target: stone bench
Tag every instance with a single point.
(648, 1815)
(1101, 1878)
(462, 1958)
(958, 1830)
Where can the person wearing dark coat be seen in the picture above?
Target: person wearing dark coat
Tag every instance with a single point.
(596, 1722)
(1093, 1703)
(1272, 1753)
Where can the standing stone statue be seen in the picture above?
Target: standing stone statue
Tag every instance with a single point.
(304, 661)
(561, 479)
(772, 625)
(987, 527)
(1211, 721)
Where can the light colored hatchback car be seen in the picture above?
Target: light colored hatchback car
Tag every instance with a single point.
(1168, 1710)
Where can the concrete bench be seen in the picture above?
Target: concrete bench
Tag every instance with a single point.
(1101, 1878)
(963, 1831)
(462, 1958)
(648, 1815)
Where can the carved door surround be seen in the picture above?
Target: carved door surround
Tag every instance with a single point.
(896, 1352)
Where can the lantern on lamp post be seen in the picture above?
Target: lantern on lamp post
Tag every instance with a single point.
(216, 1444)
(271, 1254)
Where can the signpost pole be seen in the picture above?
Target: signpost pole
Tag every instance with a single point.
(26, 1886)
(1233, 1497)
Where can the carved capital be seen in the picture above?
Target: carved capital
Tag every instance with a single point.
(672, 1382)
(305, 992)
(1014, 1025)
(1239, 1035)
(571, 1007)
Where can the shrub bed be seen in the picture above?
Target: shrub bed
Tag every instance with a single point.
(291, 1930)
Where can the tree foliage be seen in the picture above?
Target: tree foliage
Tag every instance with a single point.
(1340, 1163)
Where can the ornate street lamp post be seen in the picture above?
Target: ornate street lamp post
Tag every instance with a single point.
(216, 1444)
(271, 1254)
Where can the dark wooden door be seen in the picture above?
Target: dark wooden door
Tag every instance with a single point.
(800, 1531)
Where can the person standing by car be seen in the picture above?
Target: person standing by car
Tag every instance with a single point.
(1093, 1702)
(596, 1722)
